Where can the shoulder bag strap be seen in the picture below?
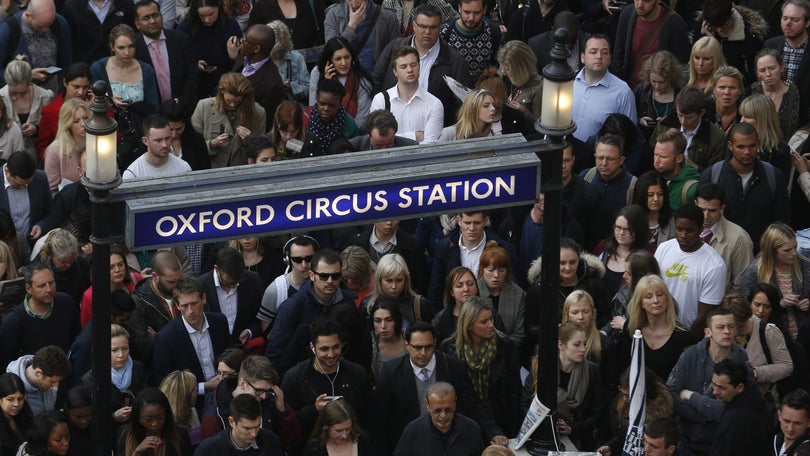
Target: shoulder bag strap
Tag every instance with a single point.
(374, 15)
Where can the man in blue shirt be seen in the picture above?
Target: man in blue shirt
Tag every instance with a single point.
(597, 92)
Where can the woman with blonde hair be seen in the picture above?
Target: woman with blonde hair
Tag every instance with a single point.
(71, 271)
(61, 163)
(759, 111)
(227, 119)
(24, 101)
(727, 87)
(8, 268)
(291, 64)
(180, 388)
(475, 117)
(519, 65)
(493, 363)
(580, 309)
(780, 265)
(508, 119)
(706, 57)
(392, 278)
(652, 309)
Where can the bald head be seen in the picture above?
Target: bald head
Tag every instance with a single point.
(40, 14)
(262, 35)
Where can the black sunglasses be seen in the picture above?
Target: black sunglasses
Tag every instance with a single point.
(336, 276)
(298, 260)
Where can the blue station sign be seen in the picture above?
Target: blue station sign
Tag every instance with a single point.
(249, 206)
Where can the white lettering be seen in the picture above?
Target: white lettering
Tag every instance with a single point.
(223, 226)
(294, 218)
(159, 226)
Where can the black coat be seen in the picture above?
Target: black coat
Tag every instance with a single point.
(744, 427)
(407, 247)
(504, 385)
(248, 297)
(183, 72)
(396, 402)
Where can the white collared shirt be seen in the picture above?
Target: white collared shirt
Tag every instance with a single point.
(204, 348)
(423, 112)
(689, 135)
(426, 63)
(228, 303)
(431, 366)
(471, 258)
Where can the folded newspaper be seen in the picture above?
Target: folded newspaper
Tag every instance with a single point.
(536, 414)
(458, 89)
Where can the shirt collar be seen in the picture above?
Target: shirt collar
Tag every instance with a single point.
(375, 239)
(217, 284)
(431, 366)
(476, 247)
(693, 132)
(253, 445)
(192, 330)
(148, 40)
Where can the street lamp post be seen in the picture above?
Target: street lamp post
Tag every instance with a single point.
(100, 177)
(555, 123)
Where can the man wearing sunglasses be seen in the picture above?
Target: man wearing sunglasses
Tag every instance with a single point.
(298, 253)
(319, 296)
(258, 378)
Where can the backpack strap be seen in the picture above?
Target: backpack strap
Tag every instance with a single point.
(764, 342)
(685, 189)
(770, 175)
(387, 99)
(715, 173)
(417, 307)
(631, 190)
(589, 176)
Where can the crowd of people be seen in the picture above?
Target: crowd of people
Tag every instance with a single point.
(686, 190)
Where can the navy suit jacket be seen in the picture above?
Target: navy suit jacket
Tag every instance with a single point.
(39, 198)
(182, 66)
(248, 298)
(396, 402)
(174, 350)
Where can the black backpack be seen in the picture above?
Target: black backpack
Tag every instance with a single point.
(800, 378)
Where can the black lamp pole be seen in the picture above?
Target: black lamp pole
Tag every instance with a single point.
(560, 73)
(98, 126)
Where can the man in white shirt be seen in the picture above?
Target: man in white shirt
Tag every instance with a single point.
(694, 272)
(192, 342)
(157, 161)
(420, 115)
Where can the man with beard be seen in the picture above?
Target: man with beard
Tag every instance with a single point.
(154, 304)
(650, 26)
(792, 45)
(312, 383)
(473, 35)
(319, 296)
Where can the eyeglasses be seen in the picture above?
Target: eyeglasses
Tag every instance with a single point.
(223, 374)
(261, 392)
(419, 348)
(600, 158)
(443, 410)
(622, 229)
(150, 17)
(298, 260)
(429, 28)
(325, 276)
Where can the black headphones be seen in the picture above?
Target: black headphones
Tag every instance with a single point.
(288, 246)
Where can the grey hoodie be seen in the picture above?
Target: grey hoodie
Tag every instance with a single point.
(38, 399)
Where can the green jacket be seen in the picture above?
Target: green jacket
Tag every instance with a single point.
(682, 186)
